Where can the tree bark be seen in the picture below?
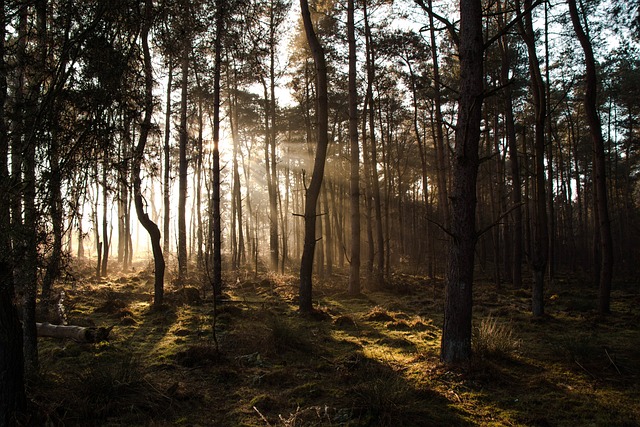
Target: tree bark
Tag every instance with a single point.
(313, 191)
(456, 332)
(143, 217)
(12, 393)
(182, 168)
(540, 249)
(167, 162)
(605, 242)
(76, 333)
(217, 234)
(512, 143)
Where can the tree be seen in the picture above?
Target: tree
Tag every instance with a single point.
(456, 332)
(354, 180)
(184, 139)
(217, 236)
(540, 250)
(600, 164)
(12, 393)
(313, 191)
(143, 217)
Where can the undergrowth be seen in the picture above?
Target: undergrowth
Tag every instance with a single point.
(368, 361)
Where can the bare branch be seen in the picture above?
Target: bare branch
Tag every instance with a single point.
(498, 221)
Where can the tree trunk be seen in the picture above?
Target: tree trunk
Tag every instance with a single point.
(105, 223)
(166, 193)
(600, 181)
(540, 250)
(76, 333)
(12, 393)
(456, 332)
(512, 143)
(313, 191)
(182, 168)
(443, 195)
(217, 226)
(378, 271)
(143, 217)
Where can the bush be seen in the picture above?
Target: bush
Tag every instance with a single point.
(492, 338)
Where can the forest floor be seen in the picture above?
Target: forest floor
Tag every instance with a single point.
(371, 360)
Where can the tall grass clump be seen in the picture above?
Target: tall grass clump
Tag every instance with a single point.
(492, 338)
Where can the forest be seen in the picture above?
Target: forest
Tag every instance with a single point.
(331, 213)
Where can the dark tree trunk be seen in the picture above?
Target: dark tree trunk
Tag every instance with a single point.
(443, 195)
(217, 234)
(105, 224)
(512, 143)
(378, 271)
(456, 332)
(166, 193)
(354, 182)
(12, 393)
(313, 191)
(182, 168)
(354, 179)
(604, 242)
(143, 217)
(540, 247)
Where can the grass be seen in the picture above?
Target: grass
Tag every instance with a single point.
(493, 338)
(368, 361)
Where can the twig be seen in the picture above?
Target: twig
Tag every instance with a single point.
(500, 218)
(585, 369)
(262, 416)
(612, 362)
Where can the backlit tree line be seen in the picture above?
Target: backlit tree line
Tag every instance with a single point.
(439, 139)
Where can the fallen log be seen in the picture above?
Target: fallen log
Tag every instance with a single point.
(76, 333)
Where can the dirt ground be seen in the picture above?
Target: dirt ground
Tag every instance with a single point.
(365, 361)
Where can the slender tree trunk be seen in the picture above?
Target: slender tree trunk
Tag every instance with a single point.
(28, 269)
(55, 206)
(105, 214)
(443, 195)
(217, 226)
(12, 392)
(313, 191)
(182, 168)
(143, 217)
(167, 162)
(456, 332)
(354, 179)
(604, 242)
(512, 143)
(540, 249)
(375, 183)
(198, 184)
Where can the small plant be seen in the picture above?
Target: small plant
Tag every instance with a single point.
(287, 336)
(381, 394)
(492, 338)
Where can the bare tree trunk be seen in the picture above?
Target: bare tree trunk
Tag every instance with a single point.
(182, 171)
(456, 332)
(217, 234)
(166, 194)
(378, 271)
(443, 195)
(313, 191)
(512, 143)
(12, 392)
(143, 217)
(540, 252)
(605, 242)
